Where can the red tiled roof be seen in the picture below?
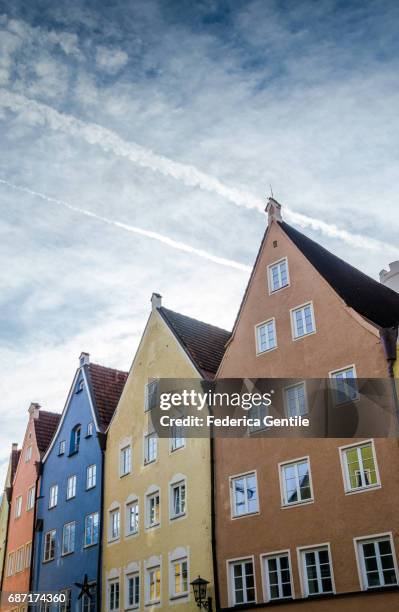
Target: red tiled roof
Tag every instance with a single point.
(204, 343)
(45, 426)
(107, 385)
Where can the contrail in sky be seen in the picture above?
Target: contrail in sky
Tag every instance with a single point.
(110, 141)
(174, 244)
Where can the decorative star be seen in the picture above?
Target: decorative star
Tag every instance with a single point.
(84, 588)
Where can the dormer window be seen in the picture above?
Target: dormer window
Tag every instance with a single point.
(75, 439)
(278, 275)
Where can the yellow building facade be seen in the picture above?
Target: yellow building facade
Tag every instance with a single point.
(5, 506)
(157, 534)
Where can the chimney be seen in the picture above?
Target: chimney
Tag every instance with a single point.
(390, 277)
(273, 209)
(84, 359)
(34, 410)
(14, 446)
(156, 300)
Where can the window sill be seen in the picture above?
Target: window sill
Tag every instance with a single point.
(176, 517)
(67, 554)
(48, 560)
(179, 597)
(74, 452)
(295, 338)
(266, 352)
(247, 514)
(149, 463)
(297, 504)
(131, 534)
(363, 489)
(90, 545)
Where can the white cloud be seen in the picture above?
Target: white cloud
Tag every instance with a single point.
(111, 60)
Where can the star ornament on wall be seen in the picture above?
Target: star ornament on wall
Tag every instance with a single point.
(84, 588)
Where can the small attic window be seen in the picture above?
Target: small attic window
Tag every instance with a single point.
(81, 386)
(61, 448)
(89, 430)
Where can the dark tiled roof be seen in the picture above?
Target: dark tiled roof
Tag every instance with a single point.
(204, 343)
(15, 455)
(107, 386)
(45, 426)
(371, 299)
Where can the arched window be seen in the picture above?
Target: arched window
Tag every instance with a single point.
(75, 439)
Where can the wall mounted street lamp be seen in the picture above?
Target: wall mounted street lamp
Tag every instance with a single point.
(200, 586)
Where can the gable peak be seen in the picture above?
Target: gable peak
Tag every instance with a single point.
(156, 301)
(84, 358)
(273, 209)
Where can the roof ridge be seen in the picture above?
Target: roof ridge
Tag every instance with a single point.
(194, 319)
(99, 365)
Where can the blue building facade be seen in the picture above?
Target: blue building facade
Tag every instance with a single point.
(68, 527)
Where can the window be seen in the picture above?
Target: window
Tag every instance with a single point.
(18, 506)
(28, 554)
(266, 336)
(150, 394)
(53, 497)
(133, 590)
(89, 604)
(244, 494)
(89, 430)
(360, 467)
(257, 413)
(295, 400)
(114, 524)
(61, 448)
(153, 509)
(377, 562)
(10, 564)
(113, 595)
(132, 518)
(303, 321)
(81, 386)
(153, 587)
(179, 576)
(65, 606)
(295, 478)
(91, 529)
(177, 499)
(31, 498)
(91, 473)
(75, 439)
(125, 460)
(242, 580)
(19, 559)
(317, 571)
(278, 275)
(49, 546)
(68, 538)
(28, 453)
(344, 385)
(277, 572)
(177, 440)
(71, 487)
(150, 447)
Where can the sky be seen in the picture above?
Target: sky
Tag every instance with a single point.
(139, 143)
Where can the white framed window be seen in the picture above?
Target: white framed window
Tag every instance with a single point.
(28, 453)
(295, 400)
(90, 429)
(71, 487)
(30, 502)
(75, 439)
(65, 606)
(377, 561)
(345, 385)
(19, 559)
(257, 413)
(132, 517)
(177, 440)
(125, 460)
(113, 595)
(28, 554)
(68, 538)
(61, 448)
(10, 564)
(153, 507)
(91, 529)
(278, 575)
(53, 496)
(278, 276)
(316, 570)
(177, 499)
(359, 465)
(179, 580)
(242, 581)
(18, 506)
(266, 337)
(114, 524)
(91, 476)
(244, 494)
(49, 545)
(133, 590)
(302, 320)
(153, 585)
(89, 604)
(296, 482)
(150, 447)
(150, 394)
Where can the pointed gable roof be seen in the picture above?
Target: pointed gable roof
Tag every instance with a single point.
(45, 426)
(204, 343)
(106, 385)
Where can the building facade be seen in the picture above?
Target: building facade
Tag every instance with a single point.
(158, 498)
(69, 521)
(308, 523)
(5, 506)
(18, 561)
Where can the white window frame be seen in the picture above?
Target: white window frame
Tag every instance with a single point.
(333, 377)
(285, 397)
(91, 514)
(52, 534)
(173, 447)
(31, 498)
(172, 563)
(71, 526)
(28, 554)
(230, 563)
(28, 453)
(53, 496)
(270, 277)
(344, 466)
(357, 542)
(147, 587)
(91, 476)
(89, 431)
(265, 575)
(283, 490)
(71, 488)
(19, 559)
(178, 484)
(294, 330)
(128, 506)
(112, 582)
(111, 514)
(61, 447)
(10, 564)
(18, 506)
(66, 605)
(233, 513)
(301, 550)
(125, 460)
(135, 576)
(152, 381)
(257, 326)
(146, 437)
(149, 496)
